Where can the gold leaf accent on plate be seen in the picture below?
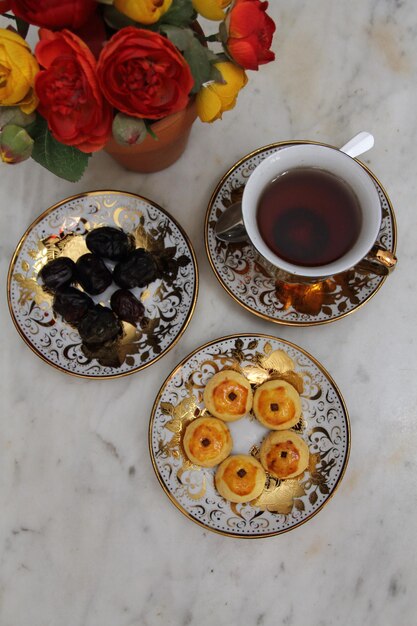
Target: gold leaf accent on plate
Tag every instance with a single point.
(145, 240)
(193, 480)
(278, 361)
(74, 247)
(145, 295)
(109, 204)
(182, 414)
(255, 375)
(294, 378)
(30, 290)
(123, 216)
(278, 496)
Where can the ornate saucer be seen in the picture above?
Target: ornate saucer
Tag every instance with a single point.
(282, 303)
(61, 229)
(324, 425)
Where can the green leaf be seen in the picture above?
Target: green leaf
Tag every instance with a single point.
(181, 13)
(223, 34)
(64, 161)
(216, 75)
(151, 132)
(115, 19)
(180, 37)
(199, 58)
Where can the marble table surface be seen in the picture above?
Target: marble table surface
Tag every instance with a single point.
(87, 536)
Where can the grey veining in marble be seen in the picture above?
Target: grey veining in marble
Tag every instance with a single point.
(87, 536)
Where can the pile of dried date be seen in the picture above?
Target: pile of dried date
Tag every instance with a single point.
(98, 325)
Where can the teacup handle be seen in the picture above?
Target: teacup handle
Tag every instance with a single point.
(379, 261)
(360, 143)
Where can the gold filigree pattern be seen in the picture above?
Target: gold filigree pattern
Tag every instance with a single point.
(251, 285)
(324, 425)
(61, 230)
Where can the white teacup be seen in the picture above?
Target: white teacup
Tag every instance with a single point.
(346, 169)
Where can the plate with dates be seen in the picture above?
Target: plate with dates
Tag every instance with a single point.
(249, 284)
(324, 425)
(169, 301)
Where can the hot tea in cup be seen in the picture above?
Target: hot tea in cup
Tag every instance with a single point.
(309, 217)
(311, 211)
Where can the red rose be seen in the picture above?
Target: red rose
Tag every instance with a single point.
(69, 96)
(143, 75)
(250, 32)
(54, 14)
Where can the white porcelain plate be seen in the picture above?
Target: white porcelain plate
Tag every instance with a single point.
(61, 230)
(324, 425)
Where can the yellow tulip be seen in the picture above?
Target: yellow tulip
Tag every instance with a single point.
(215, 98)
(143, 11)
(18, 68)
(211, 9)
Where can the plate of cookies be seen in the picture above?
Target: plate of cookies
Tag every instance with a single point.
(249, 436)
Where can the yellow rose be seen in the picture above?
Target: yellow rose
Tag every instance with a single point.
(211, 9)
(18, 68)
(214, 98)
(143, 11)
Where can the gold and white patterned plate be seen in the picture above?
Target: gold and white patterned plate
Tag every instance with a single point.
(253, 288)
(324, 425)
(61, 229)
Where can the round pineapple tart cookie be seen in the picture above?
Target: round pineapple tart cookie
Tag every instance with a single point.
(284, 454)
(228, 395)
(240, 478)
(277, 405)
(207, 441)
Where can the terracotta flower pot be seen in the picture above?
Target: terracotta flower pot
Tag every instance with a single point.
(154, 155)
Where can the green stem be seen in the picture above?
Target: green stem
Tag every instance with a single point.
(215, 37)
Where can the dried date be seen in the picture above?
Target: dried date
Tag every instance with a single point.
(72, 304)
(99, 326)
(126, 306)
(92, 274)
(138, 270)
(58, 273)
(110, 243)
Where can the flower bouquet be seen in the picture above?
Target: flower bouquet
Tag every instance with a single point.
(107, 70)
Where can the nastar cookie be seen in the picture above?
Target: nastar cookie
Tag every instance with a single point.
(277, 405)
(207, 441)
(240, 478)
(284, 454)
(228, 395)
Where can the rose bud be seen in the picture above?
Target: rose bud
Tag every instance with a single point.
(211, 9)
(15, 144)
(128, 130)
(249, 32)
(13, 115)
